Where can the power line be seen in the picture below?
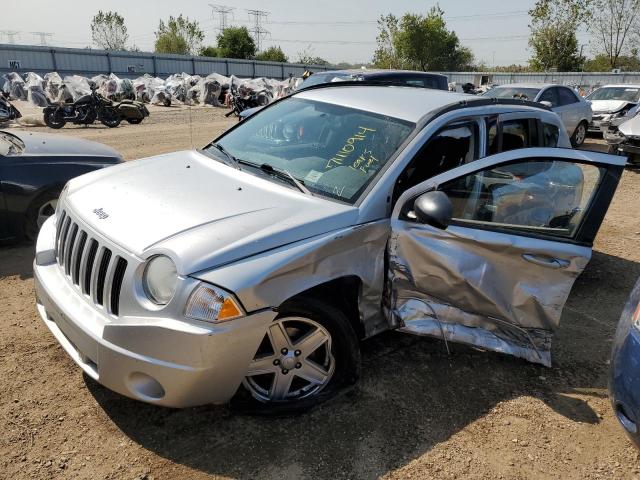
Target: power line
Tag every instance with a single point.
(43, 36)
(223, 11)
(11, 35)
(258, 31)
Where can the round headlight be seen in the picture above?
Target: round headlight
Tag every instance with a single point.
(160, 279)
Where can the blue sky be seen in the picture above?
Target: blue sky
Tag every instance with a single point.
(337, 30)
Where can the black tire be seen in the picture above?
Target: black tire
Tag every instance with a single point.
(579, 135)
(110, 118)
(344, 348)
(134, 121)
(31, 226)
(53, 119)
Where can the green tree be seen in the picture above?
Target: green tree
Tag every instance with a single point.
(615, 25)
(209, 52)
(307, 57)
(179, 35)
(108, 31)
(554, 24)
(235, 42)
(272, 54)
(420, 42)
(602, 62)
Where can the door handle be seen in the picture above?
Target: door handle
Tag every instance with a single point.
(546, 261)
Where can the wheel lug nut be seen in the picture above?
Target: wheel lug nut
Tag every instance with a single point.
(284, 351)
(298, 365)
(297, 353)
(285, 371)
(276, 362)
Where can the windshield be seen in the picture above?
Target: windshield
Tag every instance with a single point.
(318, 78)
(628, 94)
(334, 151)
(513, 92)
(10, 144)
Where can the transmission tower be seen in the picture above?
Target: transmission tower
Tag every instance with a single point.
(223, 11)
(11, 35)
(43, 36)
(258, 31)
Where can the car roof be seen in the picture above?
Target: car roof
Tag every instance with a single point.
(529, 85)
(378, 71)
(621, 85)
(405, 103)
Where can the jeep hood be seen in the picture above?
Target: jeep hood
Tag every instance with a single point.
(197, 210)
(608, 106)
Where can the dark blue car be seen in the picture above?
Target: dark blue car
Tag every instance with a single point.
(624, 381)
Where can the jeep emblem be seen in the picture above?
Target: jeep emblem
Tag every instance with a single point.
(100, 213)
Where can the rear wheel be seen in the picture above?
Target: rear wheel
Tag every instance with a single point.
(579, 134)
(110, 118)
(308, 354)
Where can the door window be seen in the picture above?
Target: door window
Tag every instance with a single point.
(551, 134)
(550, 95)
(547, 197)
(451, 147)
(566, 97)
(515, 134)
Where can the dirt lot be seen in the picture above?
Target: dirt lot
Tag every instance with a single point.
(417, 412)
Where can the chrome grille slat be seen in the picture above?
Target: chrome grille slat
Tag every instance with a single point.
(76, 254)
(94, 268)
(63, 237)
(73, 231)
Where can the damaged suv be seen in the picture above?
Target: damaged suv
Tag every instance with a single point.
(260, 262)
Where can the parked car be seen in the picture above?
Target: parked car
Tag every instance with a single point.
(610, 103)
(624, 378)
(339, 212)
(574, 111)
(33, 170)
(622, 134)
(407, 78)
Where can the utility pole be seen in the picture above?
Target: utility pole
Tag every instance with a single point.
(43, 37)
(258, 31)
(11, 35)
(223, 11)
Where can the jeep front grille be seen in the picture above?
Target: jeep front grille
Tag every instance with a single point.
(91, 267)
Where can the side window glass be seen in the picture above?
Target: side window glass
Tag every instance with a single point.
(515, 134)
(492, 136)
(547, 197)
(567, 97)
(449, 148)
(551, 134)
(550, 95)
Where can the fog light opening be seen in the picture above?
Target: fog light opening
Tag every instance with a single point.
(145, 386)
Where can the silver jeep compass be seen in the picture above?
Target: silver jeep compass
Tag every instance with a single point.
(260, 261)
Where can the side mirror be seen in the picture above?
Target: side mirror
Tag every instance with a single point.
(546, 103)
(433, 208)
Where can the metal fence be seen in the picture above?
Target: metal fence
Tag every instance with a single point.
(583, 79)
(88, 62)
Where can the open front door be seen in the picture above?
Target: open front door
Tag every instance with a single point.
(521, 231)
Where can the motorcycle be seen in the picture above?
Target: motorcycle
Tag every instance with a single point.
(7, 111)
(242, 99)
(84, 111)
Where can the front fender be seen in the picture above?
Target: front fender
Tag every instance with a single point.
(269, 279)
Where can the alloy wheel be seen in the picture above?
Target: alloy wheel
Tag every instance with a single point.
(294, 361)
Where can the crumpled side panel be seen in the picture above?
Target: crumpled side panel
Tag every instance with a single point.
(478, 288)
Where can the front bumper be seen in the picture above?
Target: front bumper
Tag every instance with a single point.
(159, 360)
(624, 384)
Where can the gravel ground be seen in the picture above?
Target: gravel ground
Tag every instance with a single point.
(417, 412)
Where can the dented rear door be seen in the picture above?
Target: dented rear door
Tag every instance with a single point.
(498, 277)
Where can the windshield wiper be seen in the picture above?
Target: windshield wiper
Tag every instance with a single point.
(235, 163)
(285, 175)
